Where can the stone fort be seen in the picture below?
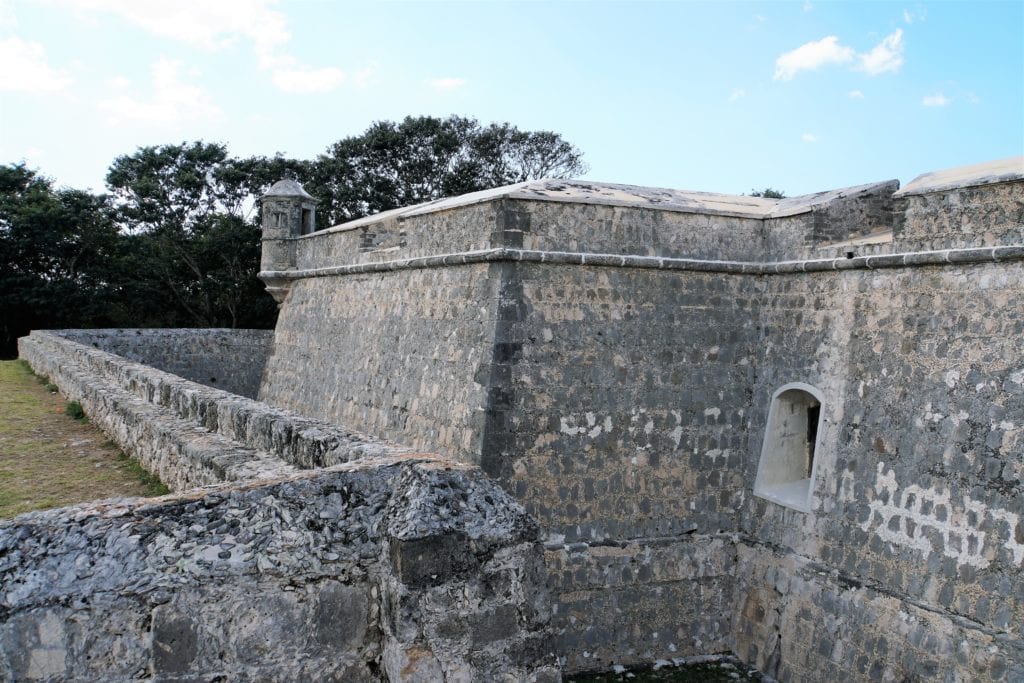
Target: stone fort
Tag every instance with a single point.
(559, 427)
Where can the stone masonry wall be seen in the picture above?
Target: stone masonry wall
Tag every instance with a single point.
(186, 433)
(917, 494)
(622, 429)
(405, 569)
(403, 355)
(231, 360)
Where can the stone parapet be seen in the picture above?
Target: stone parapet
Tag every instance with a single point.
(404, 568)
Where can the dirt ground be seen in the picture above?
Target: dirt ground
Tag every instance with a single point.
(48, 458)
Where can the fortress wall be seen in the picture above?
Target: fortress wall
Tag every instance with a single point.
(911, 562)
(590, 228)
(621, 426)
(974, 216)
(404, 355)
(837, 217)
(231, 360)
(398, 570)
(385, 237)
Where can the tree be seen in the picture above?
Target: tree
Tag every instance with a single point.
(56, 251)
(194, 243)
(768, 193)
(424, 158)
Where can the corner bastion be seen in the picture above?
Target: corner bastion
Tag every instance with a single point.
(662, 424)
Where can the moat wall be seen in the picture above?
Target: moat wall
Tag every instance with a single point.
(232, 360)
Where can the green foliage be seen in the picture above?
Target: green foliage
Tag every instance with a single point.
(768, 193)
(73, 409)
(52, 388)
(424, 158)
(150, 482)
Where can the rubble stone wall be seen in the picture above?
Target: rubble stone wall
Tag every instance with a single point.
(402, 569)
(611, 368)
(231, 360)
(188, 434)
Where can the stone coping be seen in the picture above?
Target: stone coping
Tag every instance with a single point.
(941, 257)
(988, 173)
(629, 196)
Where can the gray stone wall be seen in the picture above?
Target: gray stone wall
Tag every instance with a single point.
(918, 488)
(975, 216)
(231, 360)
(621, 425)
(610, 365)
(402, 355)
(188, 434)
(624, 397)
(386, 238)
(402, 569)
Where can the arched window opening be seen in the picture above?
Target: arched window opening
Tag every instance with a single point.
(791, 445)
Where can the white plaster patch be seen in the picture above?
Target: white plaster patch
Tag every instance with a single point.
(952, 377)
(588, 425)
(921, 512)
(712, 412)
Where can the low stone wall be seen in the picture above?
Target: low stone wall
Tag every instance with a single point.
(188, 434)
(231, 360)
(405, 569)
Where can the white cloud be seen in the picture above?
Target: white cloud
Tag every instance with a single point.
(811, 56)
(25, 68)
(808, 5)
(973, 98)
(118, 83)
(884, 57)
(887, 56)
(7, 18)
(936, 100)
(216, 24)
(446, 84)
(173, 101)
(856, 95)
(210, 24)
(809, 137)
(303, 79)
(919, 13)
(736, 94)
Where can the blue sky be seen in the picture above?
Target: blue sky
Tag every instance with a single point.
(725, 97)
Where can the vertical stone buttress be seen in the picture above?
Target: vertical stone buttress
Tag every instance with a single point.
(288, 212)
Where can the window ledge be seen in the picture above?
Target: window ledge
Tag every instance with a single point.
(792, 494)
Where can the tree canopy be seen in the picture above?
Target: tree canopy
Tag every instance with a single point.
(768, 193)
(176, 241)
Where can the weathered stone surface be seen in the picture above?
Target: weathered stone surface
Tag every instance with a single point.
(231, 360)
(276, 579)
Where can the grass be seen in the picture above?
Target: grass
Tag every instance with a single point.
(50, 456)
